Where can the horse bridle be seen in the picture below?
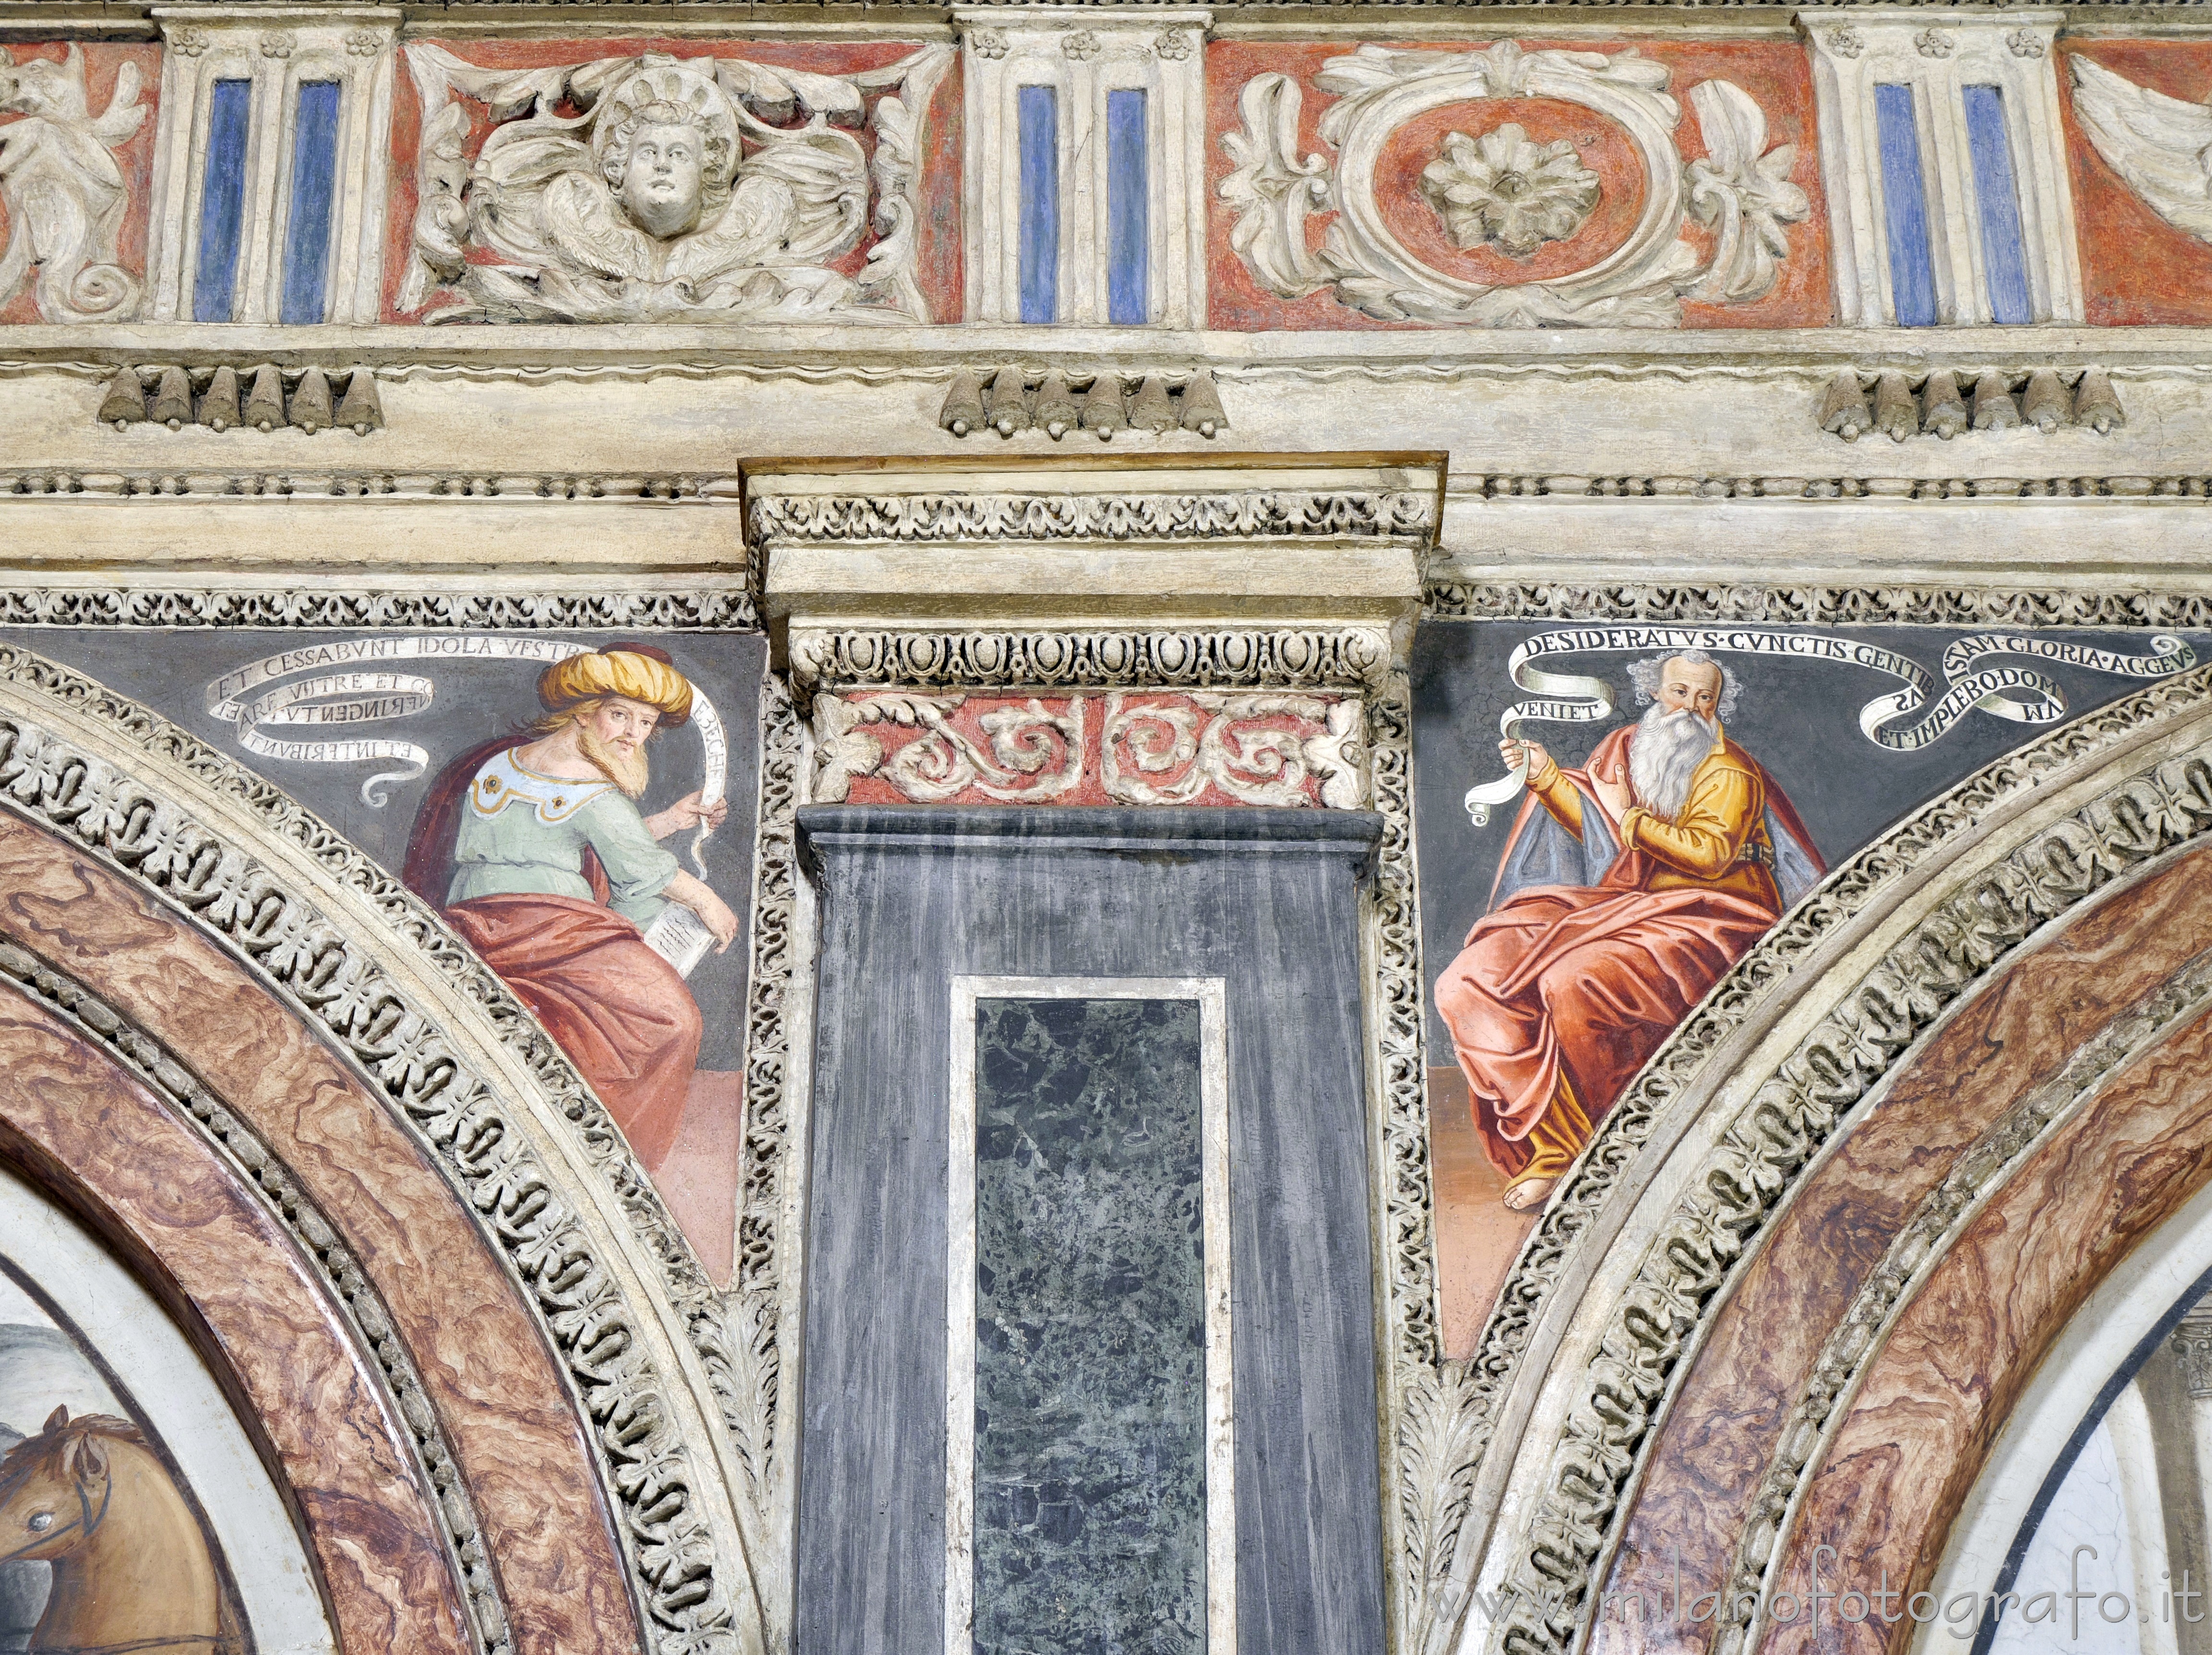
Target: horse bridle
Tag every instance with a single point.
(90, 1520)
(86, 1518)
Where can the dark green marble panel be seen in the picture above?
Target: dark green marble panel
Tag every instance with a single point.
(1090, 1328)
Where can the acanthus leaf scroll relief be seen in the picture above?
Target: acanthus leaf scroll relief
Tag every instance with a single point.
(653, 188)
(1260, 748)
(1741, 192)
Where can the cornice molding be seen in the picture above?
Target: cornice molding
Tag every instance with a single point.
(937, 351)
(1828, 605)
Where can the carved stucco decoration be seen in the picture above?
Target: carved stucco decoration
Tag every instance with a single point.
(1741, 192)
(1504, 190)
(2154, 142)
(64, 191)
(151, 801)
(1259, 748)
(1977, 1175)
(687, 187)
(1672, 1281)
(1231, 515)
(1317, 658)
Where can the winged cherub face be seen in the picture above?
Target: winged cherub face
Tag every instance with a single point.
(663, 184)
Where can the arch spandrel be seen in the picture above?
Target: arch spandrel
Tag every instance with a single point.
(1888, 946)
(490, 1105)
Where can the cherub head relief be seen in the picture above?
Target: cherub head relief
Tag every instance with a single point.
(667, 146)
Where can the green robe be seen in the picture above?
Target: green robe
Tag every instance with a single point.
(523, 834)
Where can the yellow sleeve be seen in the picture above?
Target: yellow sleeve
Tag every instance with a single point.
(1716, 820)
(1559, 796)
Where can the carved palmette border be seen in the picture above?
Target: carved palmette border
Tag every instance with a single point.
(261, 1170)
(460, 1120)
(1920, 1245)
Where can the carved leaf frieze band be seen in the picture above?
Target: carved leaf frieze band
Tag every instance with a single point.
(412, 610)
(1941, 1218)
(1253, 748)
(1357, 513)
(1749, 1172)
(699, 1600)
(681, 188)
(1741, 192)
(1927, 606)
(258, 1168)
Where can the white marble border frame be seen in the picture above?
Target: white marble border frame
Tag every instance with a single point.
(1212, 995)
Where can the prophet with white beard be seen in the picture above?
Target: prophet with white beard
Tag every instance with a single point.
(1628, 886)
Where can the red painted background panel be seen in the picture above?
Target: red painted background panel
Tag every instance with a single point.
(2136, 268)
(103, 62)
(939, 270)
(1775, 73)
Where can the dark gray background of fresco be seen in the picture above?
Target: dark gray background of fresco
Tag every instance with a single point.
(476, 699)
(1799, 719)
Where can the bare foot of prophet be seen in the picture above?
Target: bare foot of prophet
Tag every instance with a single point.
(1522, 1197)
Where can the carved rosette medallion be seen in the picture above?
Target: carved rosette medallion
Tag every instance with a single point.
(1741, 192)
(1504, 190)
(1129, 746)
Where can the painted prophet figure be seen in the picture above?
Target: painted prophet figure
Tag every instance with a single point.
(537, 854)
(1628, 886)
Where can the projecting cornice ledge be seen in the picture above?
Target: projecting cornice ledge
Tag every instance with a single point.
(1259, 540)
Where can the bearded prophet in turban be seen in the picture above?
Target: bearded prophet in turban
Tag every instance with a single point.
(1627, 888)
(534, 847)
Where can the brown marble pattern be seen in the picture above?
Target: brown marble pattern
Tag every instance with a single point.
(75, 1120)
(1720, 1435)
(482, 1360)
(1935, 1397)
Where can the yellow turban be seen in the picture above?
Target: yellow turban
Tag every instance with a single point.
(632, 674)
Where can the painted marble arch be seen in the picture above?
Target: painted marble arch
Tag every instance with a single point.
(1578, 907)
(374, 731)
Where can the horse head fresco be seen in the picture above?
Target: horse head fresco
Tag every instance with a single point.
(131, 1565)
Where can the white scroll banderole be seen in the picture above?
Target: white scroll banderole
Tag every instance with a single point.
(2019, 693)
(348, 685)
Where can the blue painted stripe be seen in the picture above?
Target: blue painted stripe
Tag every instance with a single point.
(1128, 210)
(314, 191)
(1904, 205)
(1040, 233)
(222, 202)
(2004, 251)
